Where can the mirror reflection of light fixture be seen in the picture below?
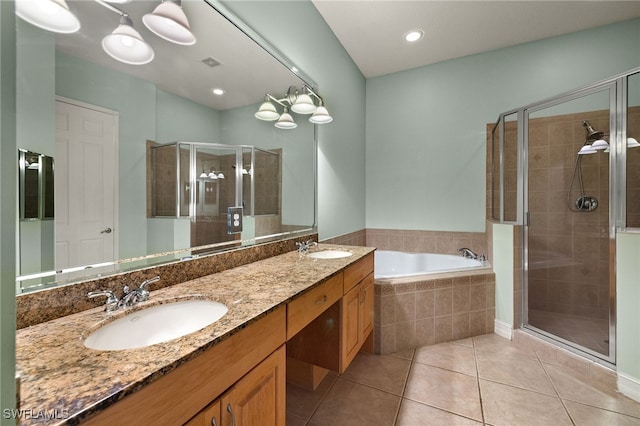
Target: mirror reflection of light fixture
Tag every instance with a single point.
(169, 21)
(286, 121)
(267, 111)
(50, 15)
(300, 102)
(126, 45)
(595, 141)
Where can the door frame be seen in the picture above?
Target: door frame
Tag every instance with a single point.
(616, 210)
(116, 163)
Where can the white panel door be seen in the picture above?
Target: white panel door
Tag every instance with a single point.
(85, 185)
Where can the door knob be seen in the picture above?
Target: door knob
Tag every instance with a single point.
(106, 231)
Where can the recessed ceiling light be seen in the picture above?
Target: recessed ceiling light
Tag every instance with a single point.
(413, 35)
(217, 91)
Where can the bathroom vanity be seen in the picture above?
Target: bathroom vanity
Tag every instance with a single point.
(291, 306)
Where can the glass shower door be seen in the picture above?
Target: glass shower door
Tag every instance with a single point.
(568, 237)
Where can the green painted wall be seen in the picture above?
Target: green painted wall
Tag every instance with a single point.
(8, 189)
(628, 304)
(298, 30)
(426, 127)
(502, 262)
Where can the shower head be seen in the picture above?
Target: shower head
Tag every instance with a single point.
(592, 135)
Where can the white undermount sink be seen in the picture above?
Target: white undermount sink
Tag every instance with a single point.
(329, 254)
(156, 324)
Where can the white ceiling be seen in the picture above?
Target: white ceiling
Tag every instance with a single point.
(372, 31)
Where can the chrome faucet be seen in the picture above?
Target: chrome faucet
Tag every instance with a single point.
(304, 246)
(112, 301)
(468, 253)
(130, 297)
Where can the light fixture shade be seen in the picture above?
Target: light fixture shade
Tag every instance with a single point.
(220, 175)
(587, 149)
(632, 143)
(126, 45)
(204, 175)
(267, 112)
(600, 144)
(286, 121)
(213, 175)
(321, 116)
(169, 22)
(50, 15)
(303, 105)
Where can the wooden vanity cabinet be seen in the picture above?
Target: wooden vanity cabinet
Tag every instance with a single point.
(258, 399)
(333, 339)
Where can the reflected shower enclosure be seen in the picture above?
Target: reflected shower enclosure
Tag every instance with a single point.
(565, 172)
(199, 182)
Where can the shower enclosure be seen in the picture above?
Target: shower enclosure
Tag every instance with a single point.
(566, 171)
(207, 184)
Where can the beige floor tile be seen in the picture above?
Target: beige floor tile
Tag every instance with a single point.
(353, 404)
(293, 420)
(447, 390)
(408, 354)
(382, 372)
(303, 402)
(511, 370)
(500, 345)
(585, 415)
(573, 386)
(413, 413)
(464, 342)
(448, 356)
(506, 405)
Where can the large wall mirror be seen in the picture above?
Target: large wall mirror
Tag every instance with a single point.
(122, 136)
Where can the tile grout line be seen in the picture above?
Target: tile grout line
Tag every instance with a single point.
(404, 388)
(322, 400)
(475, 361)
(555, 389)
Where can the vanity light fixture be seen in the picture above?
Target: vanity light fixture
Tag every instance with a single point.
(126, 45)
(413, 36)
(50, 15)
(286, 121)
(298, 101)
(169, 21)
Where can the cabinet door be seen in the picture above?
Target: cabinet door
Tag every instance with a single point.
(258, 399)
(366, 307)
(210, 416)
(350, 327)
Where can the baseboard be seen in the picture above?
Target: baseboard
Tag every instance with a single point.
(503, 329)
(629, 386)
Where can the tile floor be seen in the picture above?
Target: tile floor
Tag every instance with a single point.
(481, 380)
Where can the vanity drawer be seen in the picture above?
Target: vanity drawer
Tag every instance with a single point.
(355, 273)
(310, 305)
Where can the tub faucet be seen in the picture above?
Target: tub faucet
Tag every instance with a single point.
(468, 253)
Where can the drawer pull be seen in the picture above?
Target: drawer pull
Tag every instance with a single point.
(213, 421)
(321, 300)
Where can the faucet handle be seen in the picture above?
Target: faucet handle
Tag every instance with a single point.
(144, 292)
(112, 300)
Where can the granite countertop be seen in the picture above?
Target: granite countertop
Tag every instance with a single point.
(63, 382)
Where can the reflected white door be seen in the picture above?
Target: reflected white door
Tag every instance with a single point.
(85, 184)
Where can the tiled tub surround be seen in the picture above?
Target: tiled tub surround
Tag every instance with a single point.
(58, 373)
(45, 305)
(428, 309)
(415, 241)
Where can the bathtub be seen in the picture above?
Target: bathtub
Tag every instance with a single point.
(426, 298)
(396, 264)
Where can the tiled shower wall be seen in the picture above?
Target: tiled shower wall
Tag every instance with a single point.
(569, 251)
